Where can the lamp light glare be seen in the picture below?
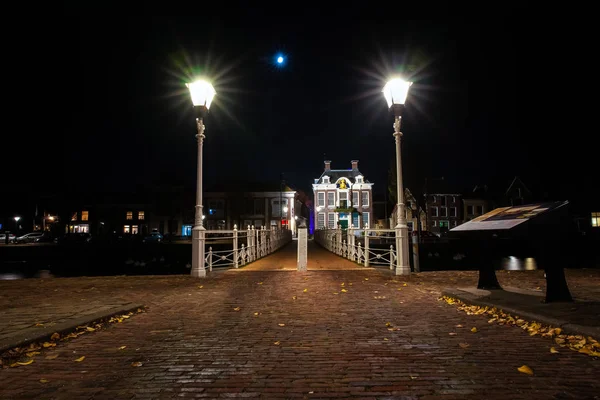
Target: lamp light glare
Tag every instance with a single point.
(202, 92)
(396, 91)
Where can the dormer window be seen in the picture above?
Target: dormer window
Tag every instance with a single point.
(326, 179)
(359, 179)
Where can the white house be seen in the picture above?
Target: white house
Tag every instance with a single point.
(342, 197)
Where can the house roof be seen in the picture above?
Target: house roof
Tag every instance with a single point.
(335, 174)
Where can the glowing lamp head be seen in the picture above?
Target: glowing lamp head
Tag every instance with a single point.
(395, 91)
(279, 60)
(202, 93)
(17, 219)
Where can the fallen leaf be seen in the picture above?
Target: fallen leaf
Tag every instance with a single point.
(388, 324)
(277, 343)
(344, 290)
(200, 286)
(386, 339)
(136, 364)
(237, 309)
(405, 284)
(80, 359)
(281, 324)
(90, 329)
(48, 344)
(366, 279)
(122, 347)
(473, 329)
(459, 326)
(294, 297)
(464, 345)
(305, 290)
(44, 380)
(260, 283)
(350, 284)
(452, 333)
(553, 350)
(24, 362)
(39, 324)
(525, 369)
(256, 314)
(51, 356)
(32, 353)
(55, 336)
(335, 293)
(342, 284)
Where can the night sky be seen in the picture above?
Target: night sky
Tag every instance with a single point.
(118, 116)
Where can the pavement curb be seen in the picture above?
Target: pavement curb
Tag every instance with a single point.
(567, 327)
(40, 334)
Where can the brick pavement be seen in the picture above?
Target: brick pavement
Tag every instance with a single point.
(193, 343)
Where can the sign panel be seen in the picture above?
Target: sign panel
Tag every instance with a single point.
(507, 217)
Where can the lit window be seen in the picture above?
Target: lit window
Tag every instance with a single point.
(84, 215)
(364, 200)
(126, 229)
(129, 215)
(141, 215)
(321, 221)
(596, 219)
(365, 218)
(355, 199)
(331, 220)
(321, 199)
(74, 217)
(330, 199)
(134, 229)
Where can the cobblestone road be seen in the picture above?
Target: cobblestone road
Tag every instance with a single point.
(295, 335)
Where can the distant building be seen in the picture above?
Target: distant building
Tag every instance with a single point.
(342, 197)
(414, 213)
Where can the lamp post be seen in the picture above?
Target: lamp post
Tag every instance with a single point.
(17, 225)
(202, 93)
(395, 92)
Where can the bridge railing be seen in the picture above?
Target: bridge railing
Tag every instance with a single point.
(368, 247)
(235, 248)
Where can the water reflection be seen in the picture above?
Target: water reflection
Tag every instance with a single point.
(518, 264)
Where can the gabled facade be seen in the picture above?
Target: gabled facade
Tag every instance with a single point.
(414, 213)
(343, 197)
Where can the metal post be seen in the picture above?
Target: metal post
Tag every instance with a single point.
(198, 231)
(402, 262)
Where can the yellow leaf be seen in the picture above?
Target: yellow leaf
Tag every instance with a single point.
(237, 309)
(80, 359)
(350, 284)
(405, 284)
(386, 339)
(342, 284)
(200, 286)
(277, 343)
(32, 353)
(553, 350)
(24, 362)
(344, 290)
(583, 350)
(452, 333)
(281, 324)
(136, 364)
(122, 347)
(43, 380)
(464, 345)
(305, 290)
(294, 297)
(51, 356)
(559, 340)
(55, 336)
(388, 324)
(256, 314)
(260, 283)
(526, 370)
(366, 279)
(48, 344)
(39, 324)
(335, 293)
(459, 326)
(473, 329)
(90, 329)
(399, 289)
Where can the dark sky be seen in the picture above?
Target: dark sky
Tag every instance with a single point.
(117, 113)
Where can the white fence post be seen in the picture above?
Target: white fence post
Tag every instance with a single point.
(366, 245)
(236, 263)
(210, 258)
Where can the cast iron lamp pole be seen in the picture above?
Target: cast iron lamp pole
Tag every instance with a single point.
(395, 92)
(202, 95)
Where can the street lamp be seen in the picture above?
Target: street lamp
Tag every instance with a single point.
(202, 93)
(395, 92)
(17, 224)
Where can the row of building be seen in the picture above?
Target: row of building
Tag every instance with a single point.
(340, 198)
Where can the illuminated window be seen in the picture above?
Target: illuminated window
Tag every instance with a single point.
(321, 199)
(596, 219)
(84, 215)
(129, 215)
(330, 199)
(331, 220)
(126, 229)
(364, 199)
(355, 199)
(321, 221)
(365, 218)
(134, 229)
(74, 217)
(141, 215)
